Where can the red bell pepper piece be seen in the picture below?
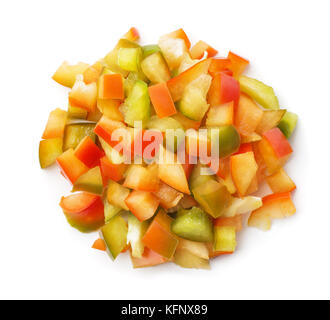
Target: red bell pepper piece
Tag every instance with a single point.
(161, 100)
(84, 211)
(105, 127)
(88, 152)
(111, 171)
(224, 89)
(278, 142)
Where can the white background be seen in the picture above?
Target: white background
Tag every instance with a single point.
(41, 256)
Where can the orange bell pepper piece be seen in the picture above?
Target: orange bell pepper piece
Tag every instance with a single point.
(99, 244)
(218, 65)
(159, 237)
(55, 124)
(237, 64)
(161, 100)
(142, 204)
(71, 167)
(111, 87)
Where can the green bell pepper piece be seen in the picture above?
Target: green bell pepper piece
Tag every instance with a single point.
(213, 197)
(149, 50)
(260, 92)
(115, 235)
(194, 225)
(288, 123)
(137, 105)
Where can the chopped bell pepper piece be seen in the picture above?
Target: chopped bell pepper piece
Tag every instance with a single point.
(155, 68)
(224, 89)
(235, 221)
(197, 51)
(142, 204)
(247, 116)
(178, 84)
(225, 238)
(275, 206)
(83, 95)
(168, 196)
(278, 142)
(218, 65)
(117, 194)
(193, 103)
(137, 104)
(260, 92)
(110, 109)
(91, 181)
(110, 210)
(99, 244)
(243, 170)
(280, 182)
(111, 86)
(129, 59)
(270, 119)
(242, 205)
(213, 197)
(55, 124)
(76, 112)
(136, 231)
(111, 170)
(112, 57)
(114, 234)
(172, 173)
(76, 132)
(71, 167)
(49, 150)
(161, 100)
(84, 211)
(66, 74)
(149, 50)
(93, 72)
(237, 64)
(288, 123)
(186, 259)
(159, 237)
(148, 259)
(132, 34)
(194, 225)
(88, 152)
(141, 178)
(220, 115)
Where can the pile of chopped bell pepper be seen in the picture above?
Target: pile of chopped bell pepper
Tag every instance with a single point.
(169, 212)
